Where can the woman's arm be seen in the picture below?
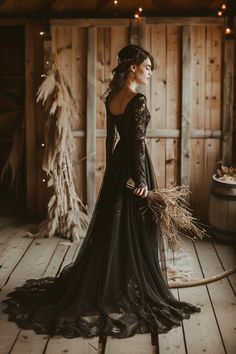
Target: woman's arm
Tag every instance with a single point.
(139, 146)
(110, 138)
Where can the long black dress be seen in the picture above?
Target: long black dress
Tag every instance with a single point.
(115, 286)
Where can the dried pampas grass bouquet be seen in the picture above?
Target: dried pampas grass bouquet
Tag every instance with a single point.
(170, 208)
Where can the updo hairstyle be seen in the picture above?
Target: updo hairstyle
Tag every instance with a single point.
(130, 54)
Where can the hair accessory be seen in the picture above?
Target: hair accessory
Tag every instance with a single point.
(125, 60)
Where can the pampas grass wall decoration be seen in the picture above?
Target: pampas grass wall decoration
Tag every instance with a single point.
(67, 216)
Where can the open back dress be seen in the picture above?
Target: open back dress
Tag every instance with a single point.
(116, 285)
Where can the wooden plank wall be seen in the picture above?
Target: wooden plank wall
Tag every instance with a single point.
(206, 106)
(234, 109)
(109, 41)
(165, 93)
(37, 191)
(70, 43)
(91, 169)
(201, 88)
(164, 42)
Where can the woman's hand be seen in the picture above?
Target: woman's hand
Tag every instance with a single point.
(141, 192)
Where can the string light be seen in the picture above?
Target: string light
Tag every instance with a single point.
(229, 25)
(223, 6)
(136, 15)
(228, 30)
(226, 11)
(43, 180)
(42, 144)
(42, 75)
(46, 30)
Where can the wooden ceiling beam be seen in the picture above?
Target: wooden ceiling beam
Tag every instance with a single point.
(103, 3)
(2, 2)
(96, 14)
(156, 3)
(54, 2)
(49, 7)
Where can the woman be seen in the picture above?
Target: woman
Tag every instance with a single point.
(115, 286)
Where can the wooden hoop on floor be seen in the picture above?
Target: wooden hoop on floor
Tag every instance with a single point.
(202, 281)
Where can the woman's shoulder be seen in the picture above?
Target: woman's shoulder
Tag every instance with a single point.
(139, 101)
(138, 96)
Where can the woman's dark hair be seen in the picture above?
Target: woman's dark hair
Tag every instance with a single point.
(130, 54)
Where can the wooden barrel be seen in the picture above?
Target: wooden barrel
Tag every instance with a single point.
(222, 206)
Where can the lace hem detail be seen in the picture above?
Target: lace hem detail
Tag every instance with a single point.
(30, 307)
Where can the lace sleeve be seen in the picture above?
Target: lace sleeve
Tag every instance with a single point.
(139, 141)
(110, 138)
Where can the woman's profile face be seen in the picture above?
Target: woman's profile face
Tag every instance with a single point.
(143, 72)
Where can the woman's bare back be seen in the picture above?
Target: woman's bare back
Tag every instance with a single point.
(119, 102)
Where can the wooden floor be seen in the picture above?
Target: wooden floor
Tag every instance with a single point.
(213, 330)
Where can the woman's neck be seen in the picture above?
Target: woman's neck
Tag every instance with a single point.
(131, 86)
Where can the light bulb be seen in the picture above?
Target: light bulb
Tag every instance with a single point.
(42, 33)
(223, 6)
(228, 30)
(136, 15)
(43, 75)
(140, 9)
(219, 13)
(115, 2)
(43, 180)
(42, 144)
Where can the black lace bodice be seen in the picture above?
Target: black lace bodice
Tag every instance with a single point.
(131, 125)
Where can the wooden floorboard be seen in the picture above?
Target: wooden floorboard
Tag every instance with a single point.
(32, 265)
(227, 256)
(9, 232)
(173, 341)
(210, 331)
(201, 330)
(59, 344)
(28, 341)
(12, 253)
(138, 344)
(221, 294)
(72, 346)
(5, 222)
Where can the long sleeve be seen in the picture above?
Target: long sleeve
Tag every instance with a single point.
(110, 138)
(139, 129)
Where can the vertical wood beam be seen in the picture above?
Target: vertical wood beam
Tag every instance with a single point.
(47, 54)
(30, 120)
(186, 106)
(137, 31)
(91, 119)
(137, 35)
(142, 41)
(142, 33)
(228, 98)
(133, 32)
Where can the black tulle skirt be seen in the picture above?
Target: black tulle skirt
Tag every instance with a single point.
(116, 285)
